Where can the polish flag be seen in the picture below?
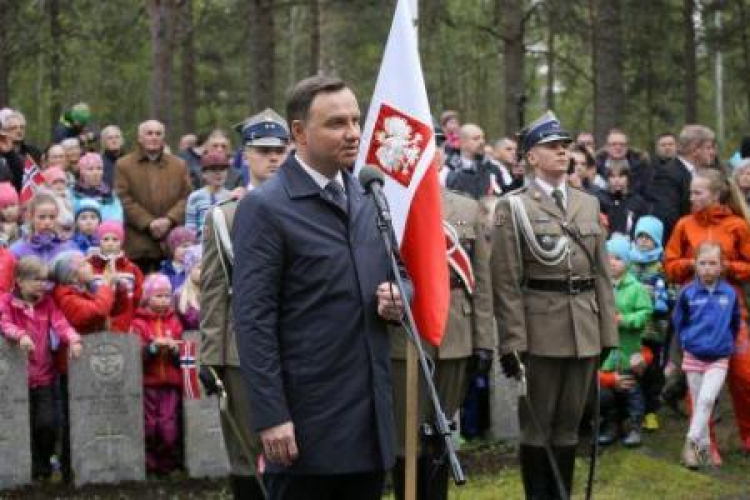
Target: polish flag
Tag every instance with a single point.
(398, 138)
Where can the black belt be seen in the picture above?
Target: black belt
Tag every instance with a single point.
(571, 287)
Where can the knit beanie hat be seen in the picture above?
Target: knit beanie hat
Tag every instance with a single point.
(8, 195)
(619, 247)
(80, 113)
(214, 159)
(178, 236)
(193, 257)
(652, 226)
(110, 227)
(155, 282)
(52, 174)
(89, 205)
(89, 161)
(65, 265)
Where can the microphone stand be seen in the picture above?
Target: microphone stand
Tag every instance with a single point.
(441, 427)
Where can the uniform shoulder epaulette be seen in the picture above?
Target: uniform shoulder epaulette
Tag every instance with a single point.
(520, 190)
(226, 202)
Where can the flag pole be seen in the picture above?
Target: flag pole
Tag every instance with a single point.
(411, 419)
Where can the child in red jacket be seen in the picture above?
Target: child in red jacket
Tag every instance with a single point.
(86, 303)
(30, 317)
(126, 280)
(161, 333)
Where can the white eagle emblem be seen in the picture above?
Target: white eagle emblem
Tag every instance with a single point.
(399, 147)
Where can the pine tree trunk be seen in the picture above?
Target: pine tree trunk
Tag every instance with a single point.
(691, 92)
(161, 15)
(314, 37)
(55, 80)
(513, 61)
(262, 49)
(4, 78)
(609, 94)
(187, 53)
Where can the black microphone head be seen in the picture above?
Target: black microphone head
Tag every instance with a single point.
(370, 174)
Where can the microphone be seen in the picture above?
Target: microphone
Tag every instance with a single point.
(372, 179)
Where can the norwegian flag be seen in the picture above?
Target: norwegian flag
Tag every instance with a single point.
(190, 382)
(32, 180)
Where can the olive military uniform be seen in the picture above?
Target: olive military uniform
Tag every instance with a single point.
(469, 329)
(558, 315)
(219, 347)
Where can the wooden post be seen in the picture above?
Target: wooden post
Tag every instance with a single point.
(411, 420)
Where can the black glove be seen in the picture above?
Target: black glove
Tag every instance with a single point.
(209, 380)
(511, 364)
(482, 361)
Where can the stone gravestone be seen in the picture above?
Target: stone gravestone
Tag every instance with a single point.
(15, 431)
(205, 453)
(106, 410)
(503, 405)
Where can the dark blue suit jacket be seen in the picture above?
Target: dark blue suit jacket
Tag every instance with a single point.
(312, 348)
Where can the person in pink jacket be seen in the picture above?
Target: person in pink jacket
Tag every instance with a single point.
(29, 316)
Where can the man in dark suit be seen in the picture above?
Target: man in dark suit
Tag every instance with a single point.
(313, 293)
(669, 193)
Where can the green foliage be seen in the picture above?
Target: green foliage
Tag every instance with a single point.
(105, 55)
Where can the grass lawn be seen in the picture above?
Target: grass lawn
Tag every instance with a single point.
(651, 472)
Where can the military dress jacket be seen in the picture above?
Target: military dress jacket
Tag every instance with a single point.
(552, 323)
(470, 323)
(218, 346)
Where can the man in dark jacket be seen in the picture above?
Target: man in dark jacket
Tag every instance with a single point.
(314, 277)
(669, 192)
(471, 173)
(618, 148)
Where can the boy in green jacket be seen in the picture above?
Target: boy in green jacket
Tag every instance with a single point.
(621, 372)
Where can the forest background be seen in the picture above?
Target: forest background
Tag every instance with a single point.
(647, 66)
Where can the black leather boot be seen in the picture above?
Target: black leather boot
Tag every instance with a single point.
(535, 472)
(435, 482)
(245, 488)
(397, 476)
(566, 462)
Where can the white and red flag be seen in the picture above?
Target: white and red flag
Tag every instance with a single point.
(190, 382)
(398, 138)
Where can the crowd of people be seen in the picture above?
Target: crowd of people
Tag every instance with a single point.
(94, 238)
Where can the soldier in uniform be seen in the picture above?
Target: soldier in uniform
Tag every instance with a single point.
(553, 303)
(218, 354)
(467, 345)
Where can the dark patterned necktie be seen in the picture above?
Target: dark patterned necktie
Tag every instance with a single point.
(557, 194)
(336, 194)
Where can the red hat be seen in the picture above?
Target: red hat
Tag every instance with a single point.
(8, 195)
(110, 227)
(215, 159)
(52, 174)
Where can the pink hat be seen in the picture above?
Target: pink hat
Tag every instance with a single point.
(89, 161)
(110, 227)
(180, 235)
(155, 282)
(8, 195)
(52, 174)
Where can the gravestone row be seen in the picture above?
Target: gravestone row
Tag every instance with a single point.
(106, 416)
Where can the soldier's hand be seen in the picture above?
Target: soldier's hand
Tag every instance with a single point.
(482, 361)
(279, 444)
(511, 364)
(208, 378)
